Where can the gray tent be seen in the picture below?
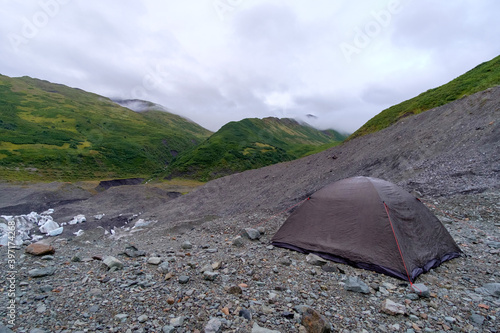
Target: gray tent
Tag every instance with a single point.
(371, 224)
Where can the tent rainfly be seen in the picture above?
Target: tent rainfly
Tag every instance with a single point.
(372, 224)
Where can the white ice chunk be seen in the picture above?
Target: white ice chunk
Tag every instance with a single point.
(56, 232)
(48, 227)
(78, 219)
(78, 233)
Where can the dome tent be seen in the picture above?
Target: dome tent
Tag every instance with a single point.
(369, 223)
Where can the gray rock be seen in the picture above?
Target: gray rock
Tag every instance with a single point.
(257, 329)
(112, 262)
(187, 245)
(121, 317)
(206, 268)
(5, 329)
(238, 241)
(421, 290)
(41, 272)
(355, 284)
(213, 326)
(183, 279)
(210, 276)
(133, 252)
(250, 233)
(489, 289)
(493, 244)
(245, 314)
(142, 318)
(177, 322)
(392, 308)
(163, 267)
(476, 319)
(315, 260)
(168, 329)
(154, 260)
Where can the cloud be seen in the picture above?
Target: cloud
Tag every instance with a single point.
(253, 59)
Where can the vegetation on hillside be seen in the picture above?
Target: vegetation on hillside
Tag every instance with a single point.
(249, 144)
(483, 76)
(53, 132)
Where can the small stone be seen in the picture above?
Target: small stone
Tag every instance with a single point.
(177, 322)
(315, 260)
(163, 267)
(206, 268)
(257, 329)
(216, 265)
(142, 318)
(420, 289)
(168, 329)
(330, 268)
(238, 241)
(213, 326)
(245, 314)
(154, 260)
(112, 262)
(355, 284)
(392, 308)
(235, 290)
(476, 319)
(132, 252)
(121, 317)
(492, 289)
(170, 300)
(41, 309)
(40, 249)
(76, 258)
(250, 233)
(41, 272)
(210, 276)
(183, 279)
(313, 321)
(451, 320)
(47, 257)
(187, 245)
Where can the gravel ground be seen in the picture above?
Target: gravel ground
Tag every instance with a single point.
(83, 295)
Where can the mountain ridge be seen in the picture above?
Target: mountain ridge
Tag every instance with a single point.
(479, 78)
(51, 131)
(249, 144)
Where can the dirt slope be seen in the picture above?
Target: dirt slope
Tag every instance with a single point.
(448, 150)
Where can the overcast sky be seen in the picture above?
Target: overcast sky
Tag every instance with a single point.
(215, 61)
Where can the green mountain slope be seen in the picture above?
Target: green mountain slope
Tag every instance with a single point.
(53, 132)
(250, 144)
(481, 77)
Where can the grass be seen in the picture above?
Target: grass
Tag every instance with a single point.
(483, 76)
(68, 134)
(250, 144)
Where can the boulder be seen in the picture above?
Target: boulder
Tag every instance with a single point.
(40, 249)
(392, 308)
(313, 321)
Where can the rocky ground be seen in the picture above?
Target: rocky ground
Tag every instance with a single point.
(184, 269)
(207, 277)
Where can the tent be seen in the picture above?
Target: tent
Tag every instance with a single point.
(369, 223)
